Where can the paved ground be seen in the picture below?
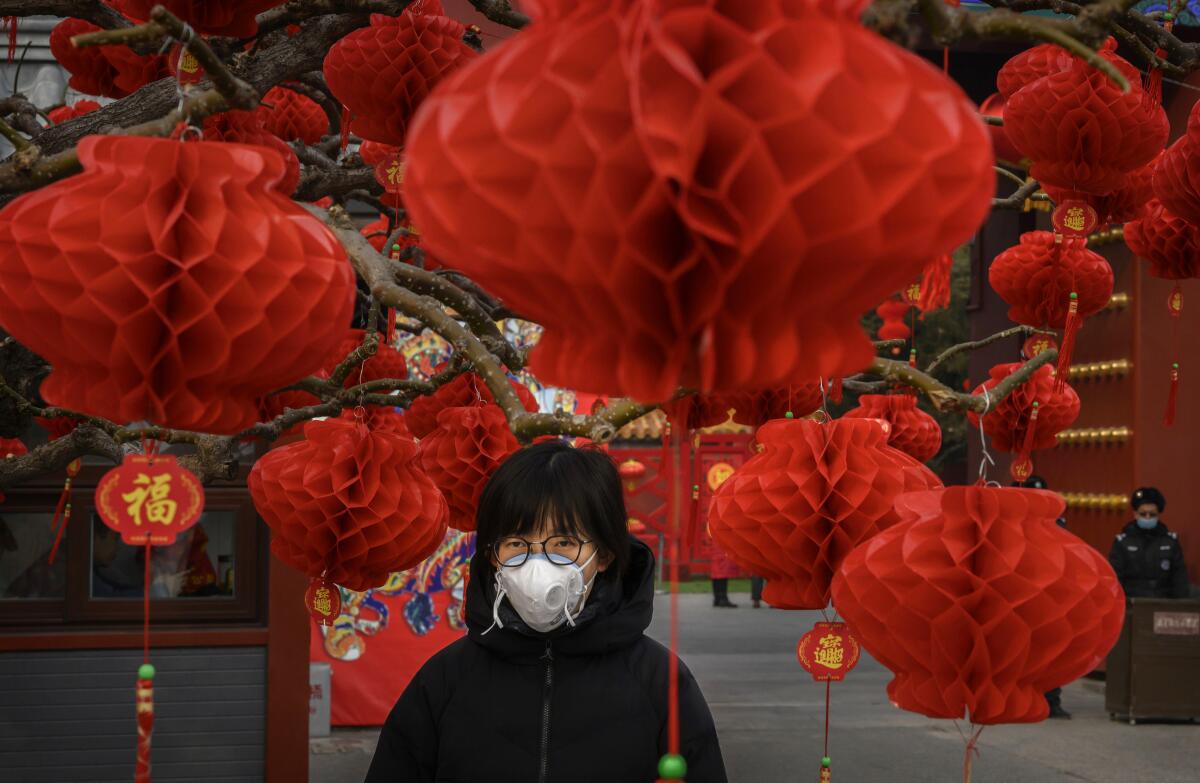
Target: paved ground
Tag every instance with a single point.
(770, 718)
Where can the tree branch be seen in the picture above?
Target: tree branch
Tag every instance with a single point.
(501, 12)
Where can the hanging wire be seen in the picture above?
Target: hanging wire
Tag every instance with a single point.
(987, 457)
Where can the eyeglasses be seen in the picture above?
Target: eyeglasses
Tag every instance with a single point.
(560, 550)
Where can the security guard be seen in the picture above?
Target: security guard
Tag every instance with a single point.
(1146, 555)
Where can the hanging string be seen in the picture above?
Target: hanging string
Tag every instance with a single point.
(972, 748)
(1175, 310)
(987, 457)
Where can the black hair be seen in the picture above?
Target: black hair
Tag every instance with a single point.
(1034, 482)
(577, 489)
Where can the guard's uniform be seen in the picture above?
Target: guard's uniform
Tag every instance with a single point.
(1149, 563)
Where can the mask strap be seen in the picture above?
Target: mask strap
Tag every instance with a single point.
(586, 587)
(500, 593)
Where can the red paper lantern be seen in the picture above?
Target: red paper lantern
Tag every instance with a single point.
(149, 499)
(112, 71)
(1177, 173)
(384, 71)
(246, 127)
(1029, 66)
(373, 153)
(66, 113)
(631, 470)
(292, 116)
(1005, 150)
(172, 282)
(1008, 422)
(1101, 135)
(637, 240)
(386, 362)
(1170, 244)
(894, 313)
(232, 18)
(1128, 202)
(979, 603)
(793, 511)
(11, 448)
(1037, 277)
(376, 233)
(466, 390)
(348, 503)
(913, 431)
(461, 454)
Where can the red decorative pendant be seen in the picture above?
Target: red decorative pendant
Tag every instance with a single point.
(324, 600)
(1074, 218)
(1038, 343)
(828, 652)
(149, 500)
(1021, 468)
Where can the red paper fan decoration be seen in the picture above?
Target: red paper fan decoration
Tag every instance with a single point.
(1101, 135)
(1170, 244)
(792, 512)
(172, 282)
(233, 18)
(461, 454)
(979, 603)
(1008, 422)
(1029, 66)
(384, 71)
(292, 116)
(637, 238)
(1037, 277)
(77, 109)
(466, 390)
(913, 431)
(348, 503)
(246, 127)
(1177, 173)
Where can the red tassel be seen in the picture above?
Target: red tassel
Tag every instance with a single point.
(145, 721)
(10, 23)
(1068, 343)
(391, 325)
(835, 392)
(345, 127)
(935, 284)
(1027, 444)
(1172, 396)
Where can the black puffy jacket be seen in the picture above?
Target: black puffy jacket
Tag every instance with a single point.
(1149, 563)
(577, 705)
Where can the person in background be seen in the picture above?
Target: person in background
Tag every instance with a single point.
(721, 570)
(756, 589)
(1146, 555)
(1053, 696)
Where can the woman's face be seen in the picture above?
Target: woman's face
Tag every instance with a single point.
(559, 548)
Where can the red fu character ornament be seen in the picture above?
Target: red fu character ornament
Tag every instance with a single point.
(149, 499)
(828, 652)
(324, 601)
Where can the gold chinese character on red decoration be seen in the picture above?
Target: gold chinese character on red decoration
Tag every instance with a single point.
(395, 172)
(1075, 219)
(188, 63)
(152, 495)
(913, 293)
(830, 653)
(322, 602)
(1175, 303)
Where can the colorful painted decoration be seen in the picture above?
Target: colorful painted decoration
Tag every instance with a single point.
(642, 295)
(979, 603)
(149, 499)
(814, 492)
(348, 504)
(152, 322)
(828, 652)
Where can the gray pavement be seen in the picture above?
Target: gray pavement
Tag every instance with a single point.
(770, 718)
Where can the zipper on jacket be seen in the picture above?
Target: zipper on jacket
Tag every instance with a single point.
(547, 686)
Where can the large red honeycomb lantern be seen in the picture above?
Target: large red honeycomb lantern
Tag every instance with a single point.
(1177, 173)
(624, 196)
(912, 431)
(292, 116)
(171, 282)
(461, 454)
(979, 603)
(1101, 133)
(1170, 244)
(814, 492)
(1030, 65)
(467, 390)
(348, 504)
(383, 72)
(1037, 277)
(1011, 424)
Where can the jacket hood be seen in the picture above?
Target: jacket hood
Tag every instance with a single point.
(616, 614)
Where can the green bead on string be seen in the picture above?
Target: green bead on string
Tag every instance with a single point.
(671, 767)
(789, 415)
(146, 671)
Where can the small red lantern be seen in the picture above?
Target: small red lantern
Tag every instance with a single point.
(466, 390)
(1037, 277)
(815, 491)
(461, 454)
(149, 499)
(631, 470)
(1170, 244)
(979, 603)
(384, 71)
(910, 429)
(232, 18)
(66, 113)
(12, 447)
(246, 127)
(894, 313)
(292, 116)
(1009, 423)
(324, 601)
(828, 652)
(135, 280)
(1177, 174)
(111, 71)
(348, 504)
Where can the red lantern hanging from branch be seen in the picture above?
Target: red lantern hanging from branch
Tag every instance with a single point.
(979, 603)
(232, 18)
(645, 291)
(1128, 202)
(348, 504)
(292, 116)
(1029, 66)
(67, 113)
(151, 307)
(814, 492)
(1005, 150)
(1037, 277)
(383, 72)
(111, 71)
(913, 431)
(894, 313)
(1177, 174)
(462, 453)
(466, 390)
(1170, 244)
(1010, 423)
(1102, 133)
(246, 127)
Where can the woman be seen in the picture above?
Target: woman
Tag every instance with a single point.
(556, 679)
